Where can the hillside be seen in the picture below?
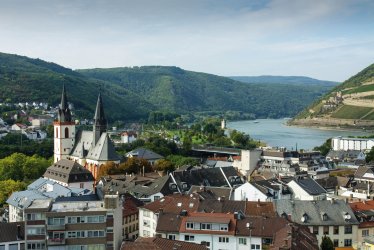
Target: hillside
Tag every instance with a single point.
(24, 79)
(296, 80)
(172, 88)
(131, 93)
(348, 104)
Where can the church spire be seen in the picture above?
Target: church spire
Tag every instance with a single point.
(100, 123)
(64, 113)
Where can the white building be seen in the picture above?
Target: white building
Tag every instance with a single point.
(248, 161)
(306, 189)
(128, 136)
(344, 143)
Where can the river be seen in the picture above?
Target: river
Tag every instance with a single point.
(275, 133)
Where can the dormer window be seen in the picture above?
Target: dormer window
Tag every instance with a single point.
(189, 225)
(304, 218)
(324, 216)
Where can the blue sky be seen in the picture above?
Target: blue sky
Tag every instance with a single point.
(325, 39)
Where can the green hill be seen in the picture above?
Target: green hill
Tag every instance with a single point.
(172, 88)
(131, 93)
(349, 104)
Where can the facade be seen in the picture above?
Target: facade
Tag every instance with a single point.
(128, 136)
(248, 161)
(332, 218)
(91, 149)
(74, 223)
(364, 212)
(130, 215)
(342, 143)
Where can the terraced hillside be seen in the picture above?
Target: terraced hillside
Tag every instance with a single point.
(348, 104)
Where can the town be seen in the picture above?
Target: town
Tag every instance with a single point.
(257, 198)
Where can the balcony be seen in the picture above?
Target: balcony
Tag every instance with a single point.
(56, 241)
(56, 227)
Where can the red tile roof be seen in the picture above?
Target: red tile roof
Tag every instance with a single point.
(175, 203)
(256, 208)
(160, 244)
(362, 205)
(131, 205)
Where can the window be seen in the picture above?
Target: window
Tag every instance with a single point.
(223, 239)
(36, 231)
(255, 247)
(205, 226)
(325, 229)
(171, 236)
(336, 243)
(365, 232)
(146, 223)
(189, 225)
(81, 185)
(35, 217)
(56, 132)
(156, 197)
(56, 221)
(146, 213)
(347, 242)
(146, 233)
(336, 229)
(315, 229)
(66, 133)
(36, 246)
(95, 233)
(242, 241)
(189, 238)
(348, 229)
(223, 227)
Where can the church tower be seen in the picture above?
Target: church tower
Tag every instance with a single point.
(100, 123)
(64, 130)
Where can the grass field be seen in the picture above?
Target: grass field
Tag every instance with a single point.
(369, 117)
(351, 112)
(360, 89)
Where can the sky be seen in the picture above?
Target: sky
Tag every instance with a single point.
(324, 39)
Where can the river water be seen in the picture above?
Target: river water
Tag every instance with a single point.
(275, 133)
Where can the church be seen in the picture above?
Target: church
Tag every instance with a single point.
(90, 149)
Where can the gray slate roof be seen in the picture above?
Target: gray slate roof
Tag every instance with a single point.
(144, 154)
(310, 186)
(68, 172)
(337, 212)
(103, 150)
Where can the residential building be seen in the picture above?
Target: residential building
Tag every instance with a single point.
(12, 236)
(130, 216)
(128, 136)
(38, 190)
(264, 190)
(74, 223)
(70, 174)
(306, 189)
(333, 218)
(248, 161)
(145, 154)
(173, 204)
(364, 212)
(91, 149)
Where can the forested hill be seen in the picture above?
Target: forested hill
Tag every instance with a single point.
(179, 90)
(131, 93)
(298, 80)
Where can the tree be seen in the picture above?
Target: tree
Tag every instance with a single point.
(370, 155)
(7, 187)
(324, 148)
(326, 243)
(135, 165)
(164, 165)
(179, 160)
(108, 169)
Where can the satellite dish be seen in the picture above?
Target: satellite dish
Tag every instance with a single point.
(303, 219)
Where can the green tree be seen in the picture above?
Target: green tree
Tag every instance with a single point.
(7, 187)
(324, 148)
(370, 155)
(179, 160)
(326, 243)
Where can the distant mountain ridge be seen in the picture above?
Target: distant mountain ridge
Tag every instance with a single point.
(282, 80)
(348, 104)
(131, 93)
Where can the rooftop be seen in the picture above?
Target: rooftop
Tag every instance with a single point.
(160, 244)
(13, 231)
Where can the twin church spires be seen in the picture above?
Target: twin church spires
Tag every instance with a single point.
(100, 122)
